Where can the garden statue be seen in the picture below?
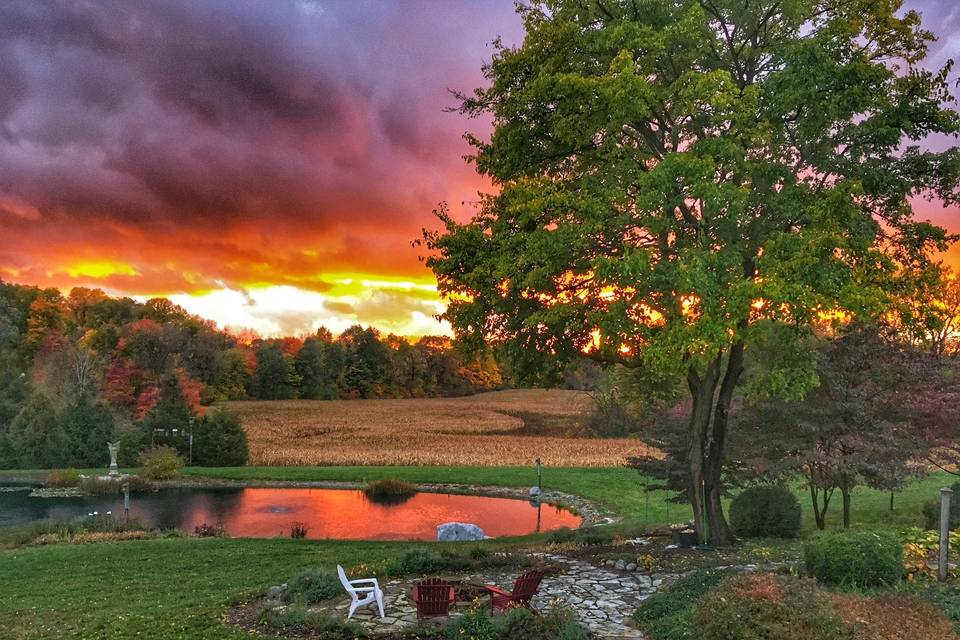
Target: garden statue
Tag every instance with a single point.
(112, 447)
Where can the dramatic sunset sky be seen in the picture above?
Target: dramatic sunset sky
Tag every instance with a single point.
(264, 163)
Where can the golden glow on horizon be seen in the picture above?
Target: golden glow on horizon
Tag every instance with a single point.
(99, 269)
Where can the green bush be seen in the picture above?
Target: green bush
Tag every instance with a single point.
(854, 558)
(220, 441)
(515, 624)
(561, 535)
(62, 478)
(767, 511)
(316, 586)
(768, 607)
(931, 511)
(389, 491)
(423, 561)
(669, 614)
(584, 536)
(160, 463)
(326, 626)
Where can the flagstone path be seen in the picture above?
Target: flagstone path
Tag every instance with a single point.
(603, 598)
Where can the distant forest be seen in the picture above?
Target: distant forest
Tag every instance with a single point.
(81, 368)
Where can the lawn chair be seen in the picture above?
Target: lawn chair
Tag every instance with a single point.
(524, 588)
(373, 592)
(433, 597)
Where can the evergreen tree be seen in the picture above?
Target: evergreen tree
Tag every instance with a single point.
(87, 426)
(220, 441)
(35, 436)
(275, 377)
(309, 363)
(172, 411)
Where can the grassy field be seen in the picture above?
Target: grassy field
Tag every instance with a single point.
(500, 428)
(156, 589)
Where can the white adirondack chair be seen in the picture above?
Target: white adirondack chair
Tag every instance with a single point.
(361, 595)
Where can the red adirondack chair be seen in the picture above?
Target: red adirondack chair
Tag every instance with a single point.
(524, 588)
(433, 597)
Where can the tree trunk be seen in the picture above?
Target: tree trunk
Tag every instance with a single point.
(845, 492)
(820, 510)
(708, 436)
(701, 390)
(720, 533)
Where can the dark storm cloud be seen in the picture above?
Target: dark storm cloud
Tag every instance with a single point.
(206, 142)
(262, 126)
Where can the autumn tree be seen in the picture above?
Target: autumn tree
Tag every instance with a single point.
(857, 427)
(670, 174)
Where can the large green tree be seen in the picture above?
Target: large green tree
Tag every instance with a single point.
(671, 173)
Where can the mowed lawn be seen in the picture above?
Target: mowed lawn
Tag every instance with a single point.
(156, 589)
(500, 428)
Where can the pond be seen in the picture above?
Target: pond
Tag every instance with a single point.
(256, 512)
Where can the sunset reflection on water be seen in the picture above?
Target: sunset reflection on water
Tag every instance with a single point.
(349, 515)
(259, 512)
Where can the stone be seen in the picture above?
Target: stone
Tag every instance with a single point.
(631, 566)
(454, 531)
(620, 565)
(277, 592)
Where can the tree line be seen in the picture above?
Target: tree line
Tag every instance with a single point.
(79, 369)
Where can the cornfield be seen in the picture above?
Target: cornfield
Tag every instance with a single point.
(490, 429)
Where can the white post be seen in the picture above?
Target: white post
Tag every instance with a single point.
(945, 494)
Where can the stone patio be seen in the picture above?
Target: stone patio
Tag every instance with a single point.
(603, 598)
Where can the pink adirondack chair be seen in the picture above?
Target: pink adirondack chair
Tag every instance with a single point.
(433, 597)
(524, 588)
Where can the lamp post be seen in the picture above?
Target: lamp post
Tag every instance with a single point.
(192, 419)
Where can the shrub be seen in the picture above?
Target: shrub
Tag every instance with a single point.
(669, 614)
(316, 586)
(765, 511)
(892, 617)
(860, 558)
(515, 624)
(210, 531)
(561, 535)
(389, 491)
(768, 607)
(931, 511)
(160, 463)
(611, 417)
(220, 441)
(324, 625)
(61, 478)
(423, 561)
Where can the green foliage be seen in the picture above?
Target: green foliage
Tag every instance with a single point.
(220, 441)
(422, 561)
(931, 510)
(669, 614)
(327, 626)
(275, 377)
(315, 585)
(87, 426)
(589, 536)
(768, 607)
(160, 463)
(172, 411)
(611, 417)
(662, 167)
(60, 478)
(765, 511)
(389, 491)
(35, 437)
(514, 624)
(854, 558)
